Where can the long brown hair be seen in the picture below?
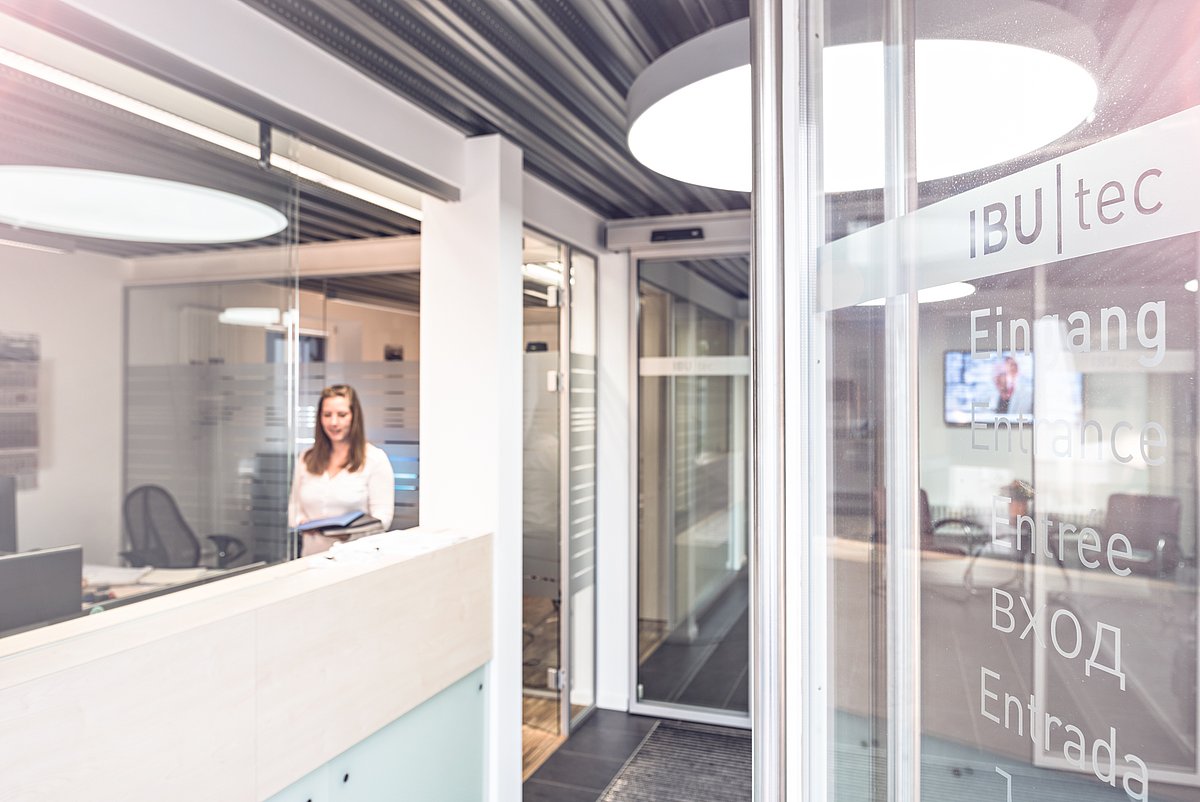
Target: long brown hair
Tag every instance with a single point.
(316, 459)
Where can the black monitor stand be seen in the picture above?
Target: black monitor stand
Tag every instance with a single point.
(8, 514)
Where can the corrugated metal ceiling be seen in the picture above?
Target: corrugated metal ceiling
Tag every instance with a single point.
(551, 75)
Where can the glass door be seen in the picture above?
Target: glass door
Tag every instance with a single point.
(579, 486)
(542, 509)
(559, 493)
(692, 583)
(1007, 343)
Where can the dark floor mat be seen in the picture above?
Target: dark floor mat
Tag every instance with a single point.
(686, 763)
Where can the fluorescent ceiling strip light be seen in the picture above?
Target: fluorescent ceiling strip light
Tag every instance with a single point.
(354, 190)
(80, 86)
(260, 316)
(73, 83)
(549, 274)
(932, 295)
(29, 246)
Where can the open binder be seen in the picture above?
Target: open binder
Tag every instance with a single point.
(349, 525)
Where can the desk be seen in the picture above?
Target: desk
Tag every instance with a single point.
(211, 687)
(106, 586)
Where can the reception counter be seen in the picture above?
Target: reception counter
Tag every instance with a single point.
(244, 688)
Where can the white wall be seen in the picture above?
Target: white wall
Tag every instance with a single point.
(551, 212)
(159, 333)
(171, 325)
(471, 405)
(73, 302)
(379, 327)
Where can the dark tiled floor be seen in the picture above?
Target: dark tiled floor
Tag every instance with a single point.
(583, 766)
(709, 670)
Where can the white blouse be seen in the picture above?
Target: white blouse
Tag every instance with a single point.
(371, 489)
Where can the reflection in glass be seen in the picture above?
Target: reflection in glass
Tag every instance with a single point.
(1057, 448)
(148, 401)
(692, 420)
(137, 404)
(206, 417)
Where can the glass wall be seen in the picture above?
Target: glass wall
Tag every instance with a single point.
(364, 330)
(693, 608)
(541, 507)
(558, 493)
(158, 358)
(128, 419)
(1008, 271)
(211, 383)
(207, 422)
(580, 482)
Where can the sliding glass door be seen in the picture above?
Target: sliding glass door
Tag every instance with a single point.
(998, 358)
(692, 420)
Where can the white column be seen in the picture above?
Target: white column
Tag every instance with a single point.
(615, 535)
(471, 406)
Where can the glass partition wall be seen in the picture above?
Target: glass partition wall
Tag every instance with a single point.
(1006, 372)
(558, 493)
(155, 347)
(139, 432)
(212, 382)
(208, 400)
(364, 330)
(693, 366)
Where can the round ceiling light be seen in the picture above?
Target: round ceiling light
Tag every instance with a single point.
(932, 295)
(690, 111)
(134, 208)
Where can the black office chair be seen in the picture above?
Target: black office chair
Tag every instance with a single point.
(161, 538)
(950, 535)
(1152, 525)
(964, 534)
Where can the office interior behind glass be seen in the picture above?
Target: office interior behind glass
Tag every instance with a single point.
(181, 281)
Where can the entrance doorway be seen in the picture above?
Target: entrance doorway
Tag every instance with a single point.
(693, 367)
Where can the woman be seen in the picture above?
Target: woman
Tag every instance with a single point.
(342, 472)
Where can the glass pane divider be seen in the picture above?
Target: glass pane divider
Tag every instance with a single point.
(903, 555)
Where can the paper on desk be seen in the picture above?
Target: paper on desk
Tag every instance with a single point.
(371, 548)
(97, 575)
(173, 576)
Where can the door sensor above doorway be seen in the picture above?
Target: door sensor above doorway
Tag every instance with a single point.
(673, 234)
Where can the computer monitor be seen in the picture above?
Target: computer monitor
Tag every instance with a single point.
(39, 587)
(8, 514)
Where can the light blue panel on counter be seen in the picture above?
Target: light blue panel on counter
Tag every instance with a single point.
(433, 753)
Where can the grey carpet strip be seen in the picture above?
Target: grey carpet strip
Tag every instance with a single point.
(679, 762)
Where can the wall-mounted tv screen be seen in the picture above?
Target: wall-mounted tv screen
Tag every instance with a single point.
(992, 384)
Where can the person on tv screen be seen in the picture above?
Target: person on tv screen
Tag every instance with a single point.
(1013, 393)
(342, 472)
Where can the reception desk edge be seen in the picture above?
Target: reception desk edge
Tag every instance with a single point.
(236, 689)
